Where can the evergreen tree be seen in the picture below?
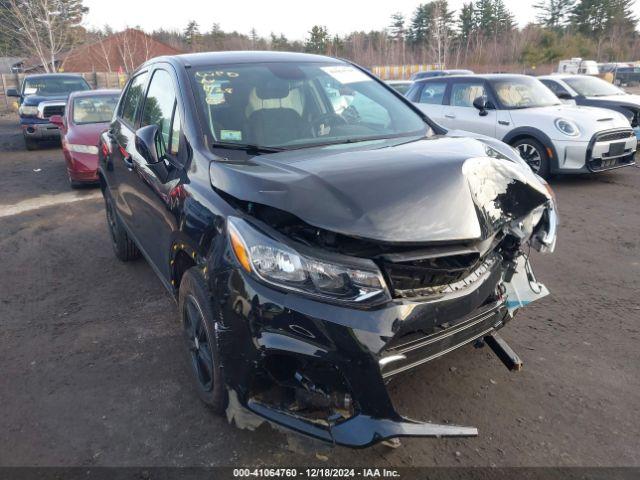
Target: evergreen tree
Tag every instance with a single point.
(596, 18)
(191, 34)
(279, 42)
(318, 40)
(503, 22)
(467, 21)
(421, 24)
(554, 14)
(396, 29)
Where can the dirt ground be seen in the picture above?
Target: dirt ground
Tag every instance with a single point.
(91, 371)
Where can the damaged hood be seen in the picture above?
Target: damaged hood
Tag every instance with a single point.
(439, 189)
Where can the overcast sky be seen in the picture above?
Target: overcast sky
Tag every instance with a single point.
(294, 18)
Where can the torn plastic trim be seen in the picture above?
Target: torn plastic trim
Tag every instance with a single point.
(544, 238)
(360, 431)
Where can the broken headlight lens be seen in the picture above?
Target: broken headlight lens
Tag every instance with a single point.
(281, 265)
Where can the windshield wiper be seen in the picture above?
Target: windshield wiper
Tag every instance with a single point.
(249, 148)
(347, 141)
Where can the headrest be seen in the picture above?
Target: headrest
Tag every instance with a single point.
(272, 89)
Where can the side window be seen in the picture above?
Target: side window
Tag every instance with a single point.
(159, 107)
(555, 87)
(433, 93)
(463, 94)
(132, 100)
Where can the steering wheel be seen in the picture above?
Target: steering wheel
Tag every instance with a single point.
(324, 120)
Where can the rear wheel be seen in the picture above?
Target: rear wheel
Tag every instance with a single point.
(535, 154)
(194, 301)
(124, 248)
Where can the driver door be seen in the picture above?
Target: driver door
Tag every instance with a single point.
(462, 115)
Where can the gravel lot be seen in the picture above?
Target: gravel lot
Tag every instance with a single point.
(91, 371)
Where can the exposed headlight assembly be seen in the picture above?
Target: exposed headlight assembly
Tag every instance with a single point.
(28, 111)
(567, 127)
(278, 264)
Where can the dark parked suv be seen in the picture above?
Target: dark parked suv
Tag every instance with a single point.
(40, 97)
(319, 233)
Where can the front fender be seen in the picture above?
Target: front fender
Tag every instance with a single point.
(538, 135)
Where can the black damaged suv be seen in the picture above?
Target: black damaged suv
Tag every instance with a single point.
(320, 234)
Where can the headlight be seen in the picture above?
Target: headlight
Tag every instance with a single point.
(74, 147)
(27, 110)
(567, 127)
(273, 262)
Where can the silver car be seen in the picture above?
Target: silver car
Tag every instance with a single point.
(519, 110)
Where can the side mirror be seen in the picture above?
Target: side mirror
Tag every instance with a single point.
(12, 92)
(481, 104)
(57, 120)
(564, 96)
(149, 144)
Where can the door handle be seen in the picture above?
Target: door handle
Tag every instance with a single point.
(449, 115)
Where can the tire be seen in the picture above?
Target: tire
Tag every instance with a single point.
(30, 144)
(200, 341)
(535, 154)
(124, 248)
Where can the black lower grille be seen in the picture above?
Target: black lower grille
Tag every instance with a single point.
(620, 135)
(416, 348)
(53, 110)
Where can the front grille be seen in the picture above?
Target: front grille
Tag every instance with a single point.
(50, 110)
(436, 275)
(620, 135)
(415, 348)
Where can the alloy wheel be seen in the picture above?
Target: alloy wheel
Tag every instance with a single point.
(198, 344)
(531, 155)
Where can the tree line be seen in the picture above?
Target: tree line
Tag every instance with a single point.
(482, 34)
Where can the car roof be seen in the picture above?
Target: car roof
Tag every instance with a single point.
(232, 57)
(562, 76)
(483, 76)
(58, 75)
(95, 93)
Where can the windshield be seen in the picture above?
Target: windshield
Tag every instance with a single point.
(524, 92)
(54, 85)
(96, 109)
(293, 105)
(592, 86)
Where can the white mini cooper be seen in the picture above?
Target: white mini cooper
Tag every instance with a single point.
(519, 110)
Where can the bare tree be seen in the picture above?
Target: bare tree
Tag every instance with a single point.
(44, 28)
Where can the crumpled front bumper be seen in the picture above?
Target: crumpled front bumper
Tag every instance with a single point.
(272, 339)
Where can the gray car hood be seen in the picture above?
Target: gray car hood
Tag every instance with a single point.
(439, 189)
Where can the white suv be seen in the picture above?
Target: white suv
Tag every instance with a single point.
(519, 110)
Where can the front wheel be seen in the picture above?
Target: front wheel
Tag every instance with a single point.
(201, 348)
(535, 154)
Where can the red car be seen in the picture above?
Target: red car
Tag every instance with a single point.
(88, 113)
